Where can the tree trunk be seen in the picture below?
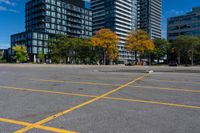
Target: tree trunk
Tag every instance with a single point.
(192, 58)
(167, 57)
(158, 60)
(149, 59)
(179, 58)
(104, 56)
(140, 62)
(136, 59)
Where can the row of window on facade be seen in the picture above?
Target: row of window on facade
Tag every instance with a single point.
(63, 26)
(30, 35)
(80, 32)
(183, 20)
(56, 6)
(58, 15)
(33, 49)
(59, 21)
(36, 50)
(192, 32)
(186, 26)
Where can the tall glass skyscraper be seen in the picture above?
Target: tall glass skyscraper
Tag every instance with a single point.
(122, 16)
(118, 15)
(150, 17)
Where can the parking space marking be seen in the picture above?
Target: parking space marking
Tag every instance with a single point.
(154, 102)
(45, 91)
(110, 98)
(174, 81)
(167, 89)
(109, 77)
(103, 84)
(78, 106)
(22, 123)
(73, 82)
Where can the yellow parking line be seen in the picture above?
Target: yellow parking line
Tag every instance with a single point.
(168, 89)
(78, 106)
(73, 82)
(142, 87)
(103, 77)
(21, 123)
(174, 81)
(45, 91)
(111, 98)
(154, 102)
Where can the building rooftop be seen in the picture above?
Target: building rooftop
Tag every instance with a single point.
(79, 3)
(195, 11)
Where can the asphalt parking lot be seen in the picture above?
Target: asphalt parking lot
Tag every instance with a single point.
(93, 99)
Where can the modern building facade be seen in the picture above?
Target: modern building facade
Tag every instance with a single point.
(188, 24)
(47, 18)
(117, 15)
(4, 54)
(150, 17)
(122, 16)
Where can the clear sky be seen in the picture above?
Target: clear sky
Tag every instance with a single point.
(12, 16)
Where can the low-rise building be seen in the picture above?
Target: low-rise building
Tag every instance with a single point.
(188, 24)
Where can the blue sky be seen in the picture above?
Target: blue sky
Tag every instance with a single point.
(12, 16)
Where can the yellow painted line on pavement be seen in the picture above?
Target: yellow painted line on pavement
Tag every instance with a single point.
(73, 82)
(45, 91)
(154, 102)
(22, 123)
(78, 106)
(174, 81)
(168, 89)
(94, 96)
(135, 87)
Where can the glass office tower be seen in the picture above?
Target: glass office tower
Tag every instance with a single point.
(150, 17)
(118, 15)
(122, 16)
(188, 24)
(47, 18)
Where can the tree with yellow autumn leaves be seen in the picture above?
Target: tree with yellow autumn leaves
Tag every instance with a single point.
(107, 41)
(139, 42)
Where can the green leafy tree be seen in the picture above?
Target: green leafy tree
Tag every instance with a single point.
(1, 54)
(161, 48)
(63, 49)
(41, 57)
(59, 49)
(186, 47)
(197, 54)
(20, 54)
(181, 45)
(195, 42)
(87, 53)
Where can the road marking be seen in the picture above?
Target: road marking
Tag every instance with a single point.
(103, 77)
(78, 106)
(154, 102)
(143, 87)
(174, 81)
(168, 89)
(22, 123)
(64, 81)
(45, 91)
(111, 98)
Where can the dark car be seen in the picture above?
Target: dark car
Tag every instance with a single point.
(173, 63)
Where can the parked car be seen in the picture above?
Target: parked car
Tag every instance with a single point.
(173, 63)
(129, 64)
